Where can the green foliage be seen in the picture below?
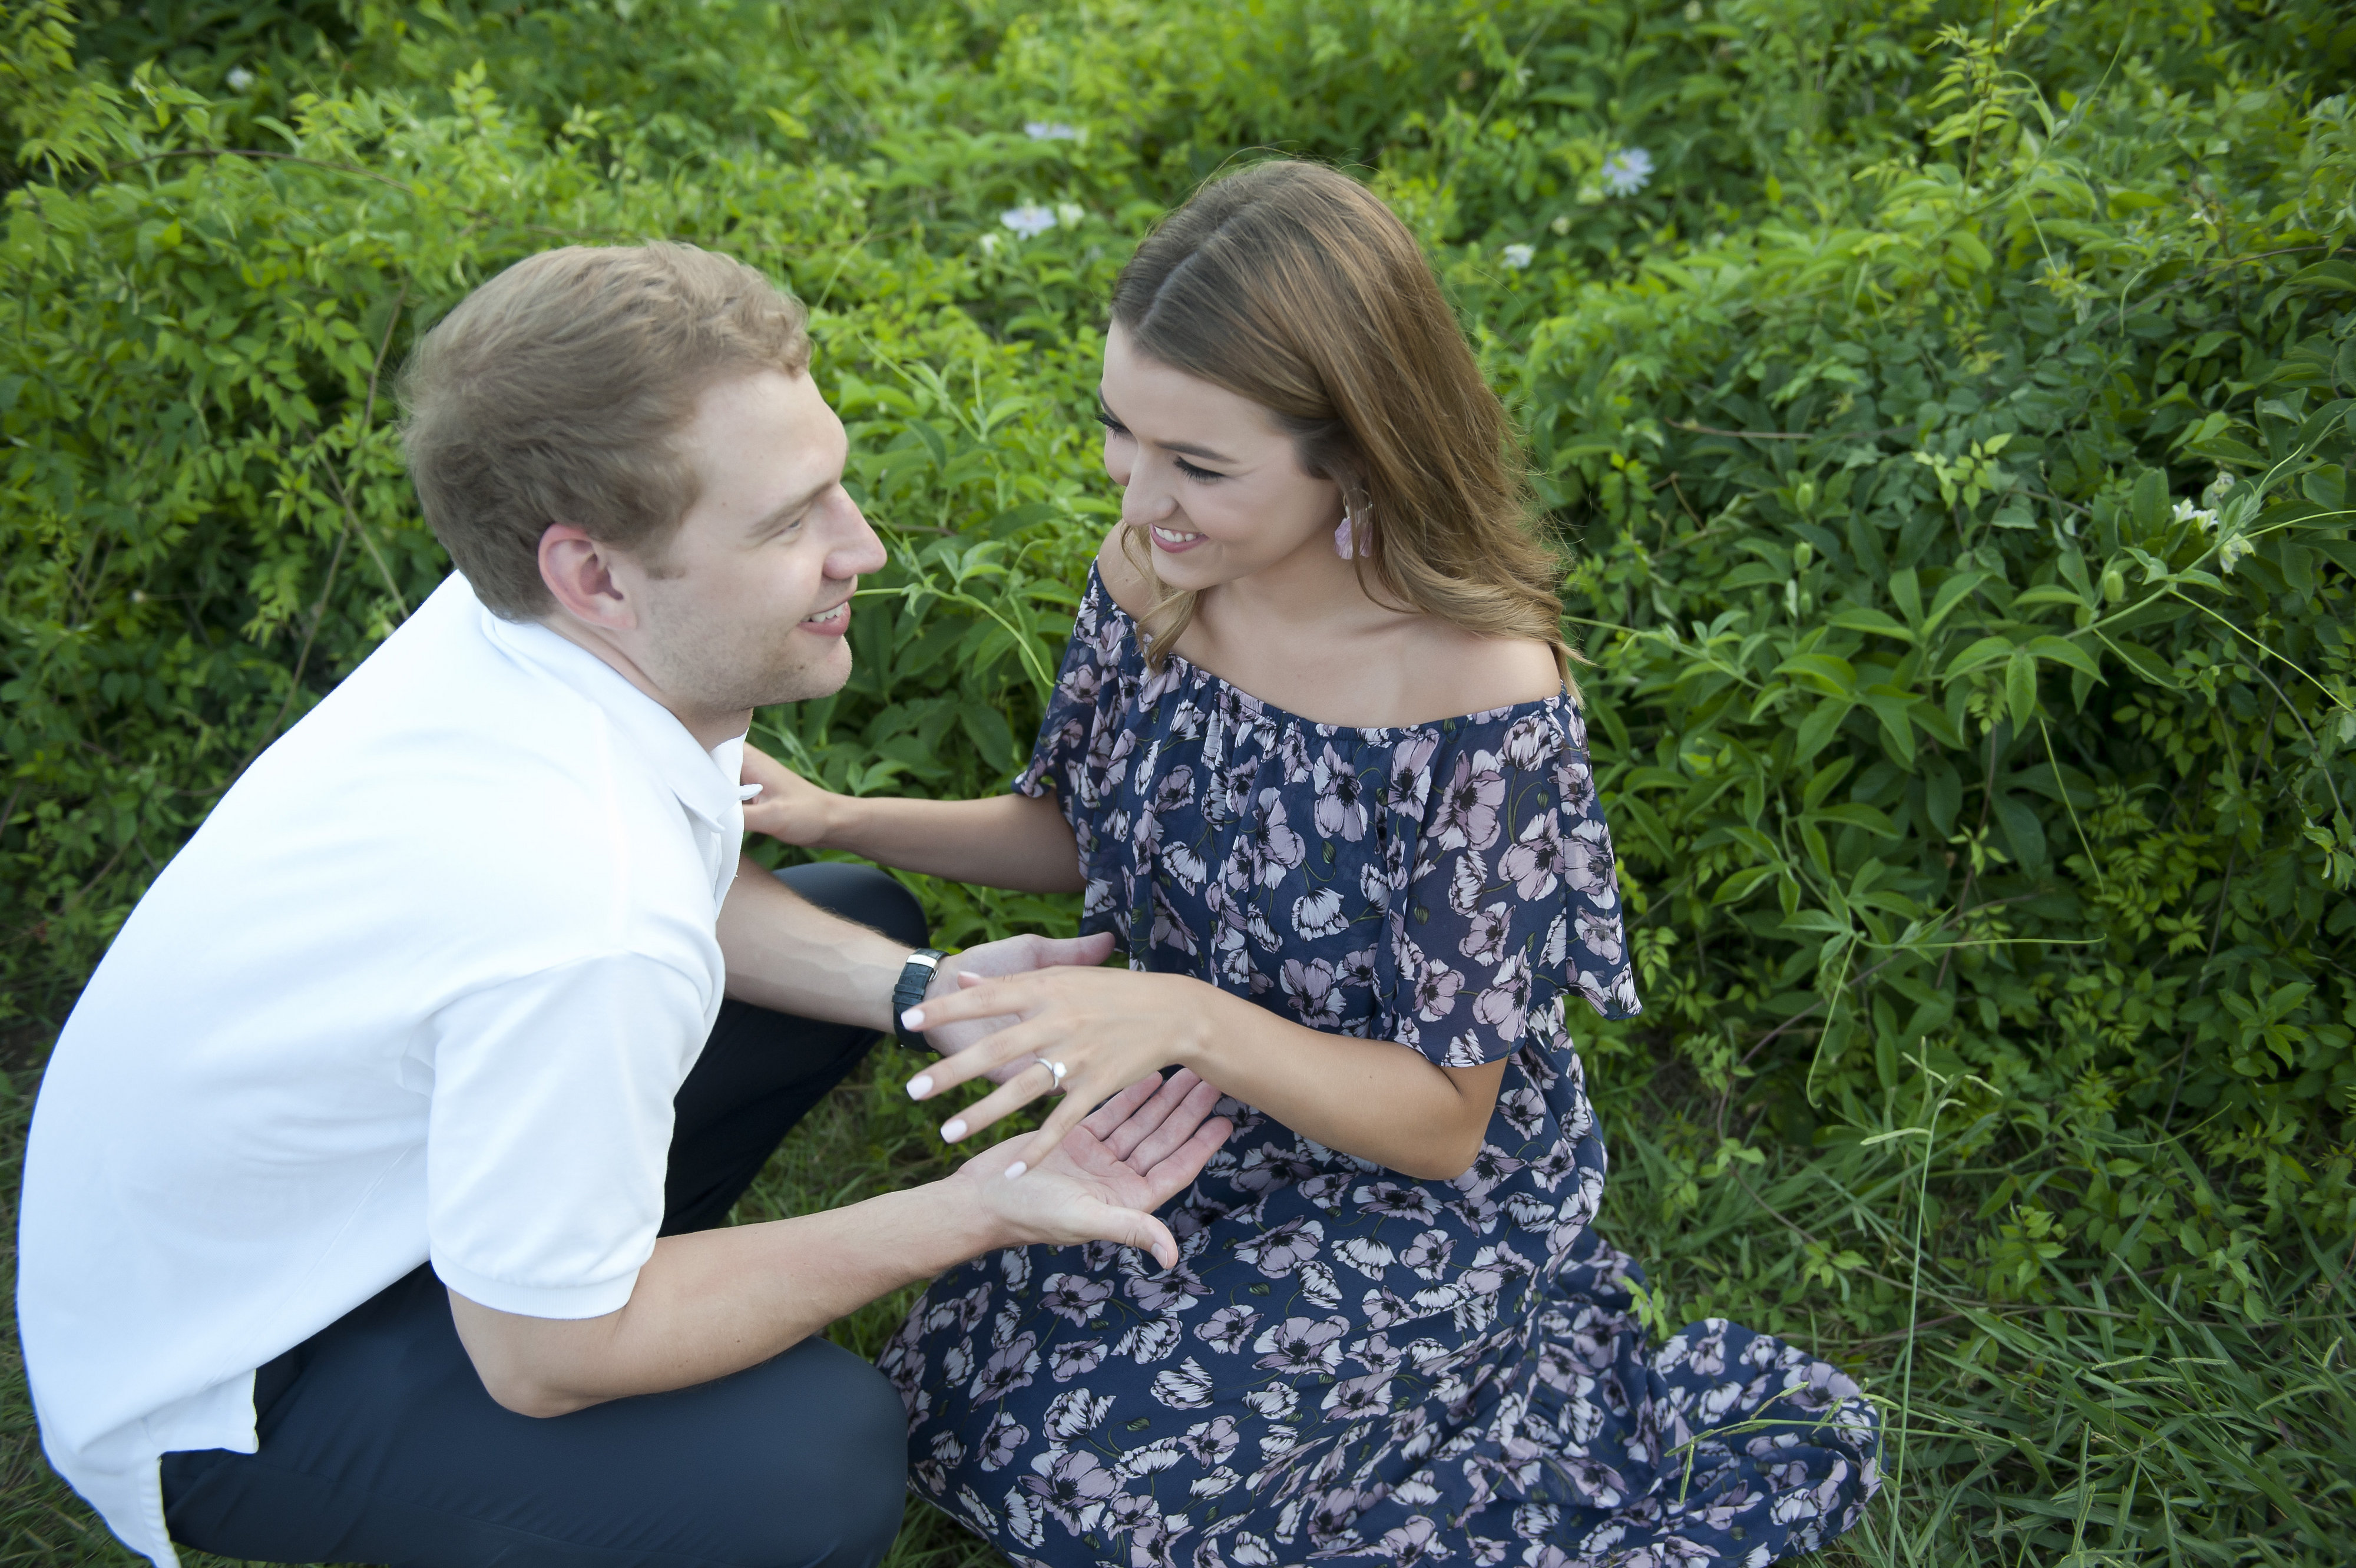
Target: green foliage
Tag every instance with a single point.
(1952, 429)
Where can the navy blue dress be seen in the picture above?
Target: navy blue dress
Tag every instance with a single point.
(1349, 1363)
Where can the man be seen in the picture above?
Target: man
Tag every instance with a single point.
(368, 1207)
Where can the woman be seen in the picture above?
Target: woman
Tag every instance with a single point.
(1315, 758)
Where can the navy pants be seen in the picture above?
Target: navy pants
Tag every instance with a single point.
(378, 1446)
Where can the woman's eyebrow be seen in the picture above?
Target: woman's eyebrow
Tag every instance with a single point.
(1207, 453)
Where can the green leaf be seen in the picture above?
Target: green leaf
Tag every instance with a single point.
(2020, 689)
(1827, 673)
(1818, 728)
(1872, 620)
(1906, 594)
(2147, 504)
(2062, 650)
(1951, 594)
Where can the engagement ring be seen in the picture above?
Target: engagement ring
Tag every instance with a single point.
(1056, 1067)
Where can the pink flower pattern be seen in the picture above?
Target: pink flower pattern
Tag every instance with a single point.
(1350, 1364)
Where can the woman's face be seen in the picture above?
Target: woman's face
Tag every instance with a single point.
(1217, 485)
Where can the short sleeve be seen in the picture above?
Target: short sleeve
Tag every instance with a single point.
(549, 1129)
(1067, 757)
(1511, 902)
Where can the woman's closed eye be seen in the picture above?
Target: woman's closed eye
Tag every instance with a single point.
(1115, 427)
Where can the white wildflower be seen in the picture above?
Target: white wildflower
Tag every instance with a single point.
(990, 244)
(239, 79)
(1069, 213)
(2219, 487)
(2230, 551)
(1518, 256)
(1562, 225)
(1050, 131)
(1693, 10)
(2187, 512)
(1627, 171)
(1029, 222)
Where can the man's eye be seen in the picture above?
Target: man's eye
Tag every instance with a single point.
(1193, 472)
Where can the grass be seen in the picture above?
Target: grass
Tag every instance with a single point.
(2108, 1420)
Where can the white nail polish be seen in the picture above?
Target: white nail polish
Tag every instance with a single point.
(920, 1086)
(1016, 1169)
(913, 1019)
(954, 1130)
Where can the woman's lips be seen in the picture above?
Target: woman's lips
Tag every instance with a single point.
(1176, 543)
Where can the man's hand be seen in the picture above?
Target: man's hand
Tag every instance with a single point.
(789, 808)
(1104, 1181)
(715, 1302)
(995, 961)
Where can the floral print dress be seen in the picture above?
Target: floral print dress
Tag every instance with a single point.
(1349, 1363)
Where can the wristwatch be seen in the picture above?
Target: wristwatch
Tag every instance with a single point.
(915, 976)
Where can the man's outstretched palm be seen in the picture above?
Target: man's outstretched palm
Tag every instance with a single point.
(1137, 1152)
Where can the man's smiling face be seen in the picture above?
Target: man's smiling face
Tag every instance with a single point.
(749, 602)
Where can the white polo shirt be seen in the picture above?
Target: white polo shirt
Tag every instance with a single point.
(421, 988)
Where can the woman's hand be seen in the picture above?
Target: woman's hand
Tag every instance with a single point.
(1107, 1028)
(1103, 1181)
(993, 960)
(789, 808)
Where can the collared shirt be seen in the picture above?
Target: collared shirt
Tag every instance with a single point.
(422, 987)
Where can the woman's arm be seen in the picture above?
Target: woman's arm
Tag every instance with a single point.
(1010, 841)
(1374, 1098)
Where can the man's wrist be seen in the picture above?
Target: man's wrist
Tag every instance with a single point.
(919, 974)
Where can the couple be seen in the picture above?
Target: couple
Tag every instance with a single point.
(373, 1207)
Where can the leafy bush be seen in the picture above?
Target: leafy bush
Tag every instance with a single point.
(1949, 416)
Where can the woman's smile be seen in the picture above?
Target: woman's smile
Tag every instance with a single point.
(1175, 540)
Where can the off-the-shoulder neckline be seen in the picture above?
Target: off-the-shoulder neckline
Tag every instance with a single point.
(1553, 699)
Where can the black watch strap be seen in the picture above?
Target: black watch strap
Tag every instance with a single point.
(914, 977)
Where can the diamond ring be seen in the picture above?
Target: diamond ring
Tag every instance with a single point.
(1056, 1067)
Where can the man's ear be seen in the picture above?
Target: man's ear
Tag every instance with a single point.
(578, 571)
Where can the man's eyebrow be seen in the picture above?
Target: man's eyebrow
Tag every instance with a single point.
(794, 505)
(1207, 453)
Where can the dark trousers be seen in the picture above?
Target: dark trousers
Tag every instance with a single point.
(378, 1444)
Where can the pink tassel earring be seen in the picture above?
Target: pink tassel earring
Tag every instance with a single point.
(1345, 537)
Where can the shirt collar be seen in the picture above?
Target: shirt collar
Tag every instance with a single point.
(704, 781)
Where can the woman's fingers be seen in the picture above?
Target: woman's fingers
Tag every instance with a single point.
(1012, 1096)
(987, 998)
(1014, 1045)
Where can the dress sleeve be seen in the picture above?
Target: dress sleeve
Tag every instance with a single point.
(1510, 903)
(1066, 757)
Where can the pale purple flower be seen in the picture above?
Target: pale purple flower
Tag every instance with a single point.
(1004, 1439)
(1467, 808)
(1188, 1386)
(1536, 860)
(1050, 131)
(1627, 171)
(1227, 1328)
(1030, 221)
(1278, 1251)
(1303, 1344)
(1073, 1485)
(1074, 1296)
(1518, 257)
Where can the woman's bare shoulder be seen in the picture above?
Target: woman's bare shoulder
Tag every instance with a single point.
(1463, 673)
(1125, 581)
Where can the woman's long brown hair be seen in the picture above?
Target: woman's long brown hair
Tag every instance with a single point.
(1291, 284)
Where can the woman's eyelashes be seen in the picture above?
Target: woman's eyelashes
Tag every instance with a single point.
(1115, 427)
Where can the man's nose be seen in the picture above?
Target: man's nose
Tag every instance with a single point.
(856, 550)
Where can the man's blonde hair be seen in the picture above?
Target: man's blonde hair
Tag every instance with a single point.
(556, 393)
